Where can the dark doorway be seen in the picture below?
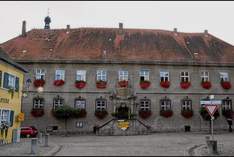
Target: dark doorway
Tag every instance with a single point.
(122, 112)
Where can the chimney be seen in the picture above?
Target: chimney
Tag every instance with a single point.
(24, 29)
(120, 28)
(68, 27)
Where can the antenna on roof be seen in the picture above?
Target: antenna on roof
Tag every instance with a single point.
(48, 12)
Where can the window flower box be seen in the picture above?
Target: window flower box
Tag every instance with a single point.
(80, 84)
(185, 85)
(79, 113)
(205, 115)
(123, 83)
(37, 112)
(101, 84)
(206, 84)
(145, 114)
(187, 113)
(39, 83)
(166, 113)
(165, 84)
(227, 113)
(59, 82)
(226, 84)
(101, 114)
(144, 84)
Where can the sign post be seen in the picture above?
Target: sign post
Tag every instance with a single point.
(211, 109)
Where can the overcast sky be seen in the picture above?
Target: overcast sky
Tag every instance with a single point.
(215, 16)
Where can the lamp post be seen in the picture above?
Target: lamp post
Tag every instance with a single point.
(212, 118)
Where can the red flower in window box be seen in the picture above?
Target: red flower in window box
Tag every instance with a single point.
(37, 112)
(145, 114)
(39, 83)
(145, 84)
(123, 83)
(185, 85)
(206, 84)
(101, 84)
(166, 113)
(165, 84)
(187, 113)
(101, 114)
(226, 84)
(80, 84)
(59, 82)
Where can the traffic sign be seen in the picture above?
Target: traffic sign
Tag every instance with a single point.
(211, 109)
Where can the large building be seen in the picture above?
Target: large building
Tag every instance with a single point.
(158, 77)
(11, 86)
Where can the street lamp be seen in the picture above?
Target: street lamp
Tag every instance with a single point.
(212, 118)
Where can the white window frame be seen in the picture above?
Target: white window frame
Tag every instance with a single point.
(58, 102)
(81, 75)
(165, 105)
(226, 104)
(101, 75)
(144, 73)
(186, 104)
(184, 76)
(11, 81)
(205, 76)
(59, 74)
(4, 117)
(80, 103)
(145, 104)
(40, 74)
(224, 76)
(164, 75)
(80, 124)
(101, 104)
(39, 104)
(123, 75)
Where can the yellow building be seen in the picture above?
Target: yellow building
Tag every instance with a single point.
(11, 84)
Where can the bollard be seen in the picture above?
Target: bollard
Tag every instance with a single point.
(34, 146)
(46, 140)
(40, 138)
(212, 146)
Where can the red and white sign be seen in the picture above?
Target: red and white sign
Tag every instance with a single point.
(211, 109)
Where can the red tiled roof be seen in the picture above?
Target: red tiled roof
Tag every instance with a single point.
(133, 45)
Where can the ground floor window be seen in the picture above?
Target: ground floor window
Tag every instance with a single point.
(80, 103)
(101, 104)
(165, 104)
(186, 104)
(38, 103)
(145, 104)
(227, 104)
(58, 102)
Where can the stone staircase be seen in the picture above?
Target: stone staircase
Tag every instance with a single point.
(136, 127)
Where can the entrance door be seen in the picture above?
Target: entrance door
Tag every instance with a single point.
(122, 112)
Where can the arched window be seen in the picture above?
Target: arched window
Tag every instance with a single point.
(58, 102)
(101, 104)
(186, 104)
(145, 104)
(38, 102)
(227, 104)
(80, 103)
(165, 104)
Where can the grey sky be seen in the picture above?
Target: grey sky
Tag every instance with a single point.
(215, 16)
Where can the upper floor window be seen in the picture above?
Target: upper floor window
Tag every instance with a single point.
(184, 76)
(164, 76)
(38, 103)
(101, 104)
(58, 102)
(0, 78)
(144, 75)
(186, 104)
(81, 75)
(224, 76)
(123, 75)
(40, 74)
(80, 103)
(60, 74)
(227, 104)
(101, 75)
(10, 81)
(204, 76)
(165, 104)
(145, 104)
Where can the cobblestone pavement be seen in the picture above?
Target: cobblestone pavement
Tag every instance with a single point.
(163, 144)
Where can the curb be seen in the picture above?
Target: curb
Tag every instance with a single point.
(194, 150)
(53, 151)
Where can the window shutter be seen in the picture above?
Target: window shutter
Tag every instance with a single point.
(11, 118)
(0, 78)
(16, 84)
(6, 80)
